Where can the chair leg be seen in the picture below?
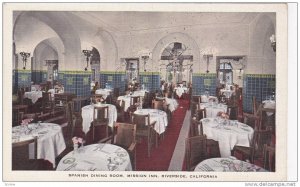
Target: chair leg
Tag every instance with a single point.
(149, 143)
(93, 133)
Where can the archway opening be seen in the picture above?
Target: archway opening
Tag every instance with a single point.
(176, 64)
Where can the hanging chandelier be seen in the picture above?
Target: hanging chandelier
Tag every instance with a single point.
(88, 54)
(24, 58)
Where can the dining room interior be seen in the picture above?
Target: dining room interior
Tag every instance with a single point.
(144, 91)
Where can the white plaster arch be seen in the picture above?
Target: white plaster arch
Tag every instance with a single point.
(175, 37)
(54, 44)
(58, 21)
(263, 29)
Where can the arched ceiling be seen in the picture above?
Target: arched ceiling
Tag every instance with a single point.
(139, 21)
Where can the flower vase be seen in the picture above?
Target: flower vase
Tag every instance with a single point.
(75, 148)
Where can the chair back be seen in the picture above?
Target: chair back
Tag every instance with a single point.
(71, 120)
(269, 158)
(196, 98)
(195, 151)
(254, 105)
(260, 138)
(120, 105)
(200, 114)
(134, 100)
(116, 92)
(158, 104)
(125, 134)
(252, 120)
(194, 127)
(194, 107)
(232, 111)
(267, 118)
(100, 114)
(142, 121)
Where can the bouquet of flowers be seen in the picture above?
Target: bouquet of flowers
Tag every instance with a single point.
(25, 122)
(223, 115)
(76, 142)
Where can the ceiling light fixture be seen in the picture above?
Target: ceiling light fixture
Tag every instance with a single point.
(24, 58)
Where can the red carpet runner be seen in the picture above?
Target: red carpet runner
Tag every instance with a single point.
(161, 156)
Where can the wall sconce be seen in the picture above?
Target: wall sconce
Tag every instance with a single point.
(88, 54)
(24, 58)
(145, 58)
(207, 61)
(273, 42)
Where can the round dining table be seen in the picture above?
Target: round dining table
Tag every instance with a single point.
(158, 116)
(228, 133)
(206, 99)
(96, 157)
(104, 92)
(172, 104)
(50, 139)
(180, 90)
(33, 95)
(227, 92)
(126, 99)
(230, 164)
(271, 104)
(87, 113)
(212, 109)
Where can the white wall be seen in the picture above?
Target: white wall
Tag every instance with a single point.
(262, 58)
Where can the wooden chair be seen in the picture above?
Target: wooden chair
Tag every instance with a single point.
(20, 157)
(145, 129)
(194, 107)
(255, 151)
(71, 122)
(269, 158)
(213, 149)
(196, 98)
(120, 105)
(47, 103)
(158, 104)
(97, 98)
(267, 118)
(100, 119)
(232, 111)
(251, 120)
(134, 100)
(194, 127)
(195, 151)
(255, 105)
(200, 114)
(125, 137)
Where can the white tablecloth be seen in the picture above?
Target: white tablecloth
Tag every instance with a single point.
(230, 164)
(33, 96)
(96, 157)
(173, 104)
(50, 140)
(227, 93)
(269, 104)
(103, 92)
(140, 93)
(35, 87)
(126, 99)
(228, 135)
(87, 113)
(180, 90)
(158, 116)
(205, 99)
(213, 109)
